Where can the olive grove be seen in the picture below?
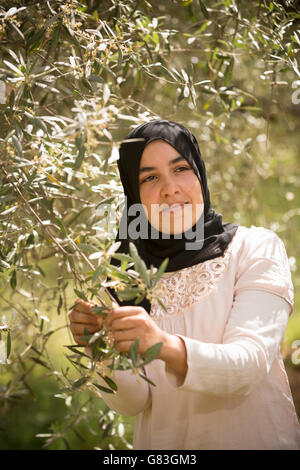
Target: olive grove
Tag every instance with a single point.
(75, 77)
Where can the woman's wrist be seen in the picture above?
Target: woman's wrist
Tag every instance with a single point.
(173, 353)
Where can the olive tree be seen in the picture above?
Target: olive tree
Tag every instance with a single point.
(74, 78)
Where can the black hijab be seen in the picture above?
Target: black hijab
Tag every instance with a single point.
(216, 235)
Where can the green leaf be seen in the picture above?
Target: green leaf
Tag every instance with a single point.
(61, 225)
(79, 158)
(12, 99)
(110, 382)
(121, 257)
(86, 84)
(120, 56)
(80, 382)
(162, 305)
(228, 72)
(98, 310)
(140, 265)
(76, 349)
(13, 67)
(10, 210)
(106, 201)
(95, 78)
(76, 364)
(168, 72)
(9, 135)
(96, 274)
(120, 275)
(106, 93)
(134, 351)
(147, 380)
(204, 9)
(8, 344)
(160, 271)
(55, 37)
(17, 145)
(129, 293)
(80, 294)
(13, 279)
(40, 124)
(139, 299)
(40, 362)
(103, 389)
(60, 303)
(14, 26)
(148, 49)
(151, 353)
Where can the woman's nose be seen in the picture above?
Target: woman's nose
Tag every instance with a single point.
(169, 188)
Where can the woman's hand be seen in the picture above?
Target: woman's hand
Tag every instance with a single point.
(130, 323)
(127, 324)
(81, 318)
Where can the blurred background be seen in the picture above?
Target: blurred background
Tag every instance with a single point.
(74, 78)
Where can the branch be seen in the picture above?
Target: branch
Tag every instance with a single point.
(49, 234)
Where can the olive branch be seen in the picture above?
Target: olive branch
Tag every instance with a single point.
(130, 284)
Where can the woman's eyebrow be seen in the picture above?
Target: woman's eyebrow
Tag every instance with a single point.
(143, 169)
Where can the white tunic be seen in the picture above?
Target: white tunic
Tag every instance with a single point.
(231, 312)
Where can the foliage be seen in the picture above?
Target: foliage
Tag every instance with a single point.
(76, 76)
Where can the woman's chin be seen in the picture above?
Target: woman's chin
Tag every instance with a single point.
(175, 227)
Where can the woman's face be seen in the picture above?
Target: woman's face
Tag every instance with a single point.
(169, 189)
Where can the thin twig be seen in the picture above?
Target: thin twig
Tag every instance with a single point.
(58, 244)
(36, 216)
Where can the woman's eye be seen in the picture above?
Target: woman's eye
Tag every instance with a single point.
(148, 178)
(182, 168)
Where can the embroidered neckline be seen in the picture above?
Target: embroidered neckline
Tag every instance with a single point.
(179, 290)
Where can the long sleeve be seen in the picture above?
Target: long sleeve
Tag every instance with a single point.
(232, 313)
(251, 341)
(262, 303)
(133, 394)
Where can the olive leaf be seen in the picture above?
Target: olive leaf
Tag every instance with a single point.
(134, 351)
(151, 353)
(139, 264)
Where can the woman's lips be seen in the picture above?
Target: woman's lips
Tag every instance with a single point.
(177, 206)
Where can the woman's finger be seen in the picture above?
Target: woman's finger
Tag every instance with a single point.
(124, 323)
(120, 312)
(125, 335)
(78, 317)
(79, 328)
(78, 339)
(84, 307)
(123, 346)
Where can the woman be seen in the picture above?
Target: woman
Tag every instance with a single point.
(220, 380)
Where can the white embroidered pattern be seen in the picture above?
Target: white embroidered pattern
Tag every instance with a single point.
(181, 289)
